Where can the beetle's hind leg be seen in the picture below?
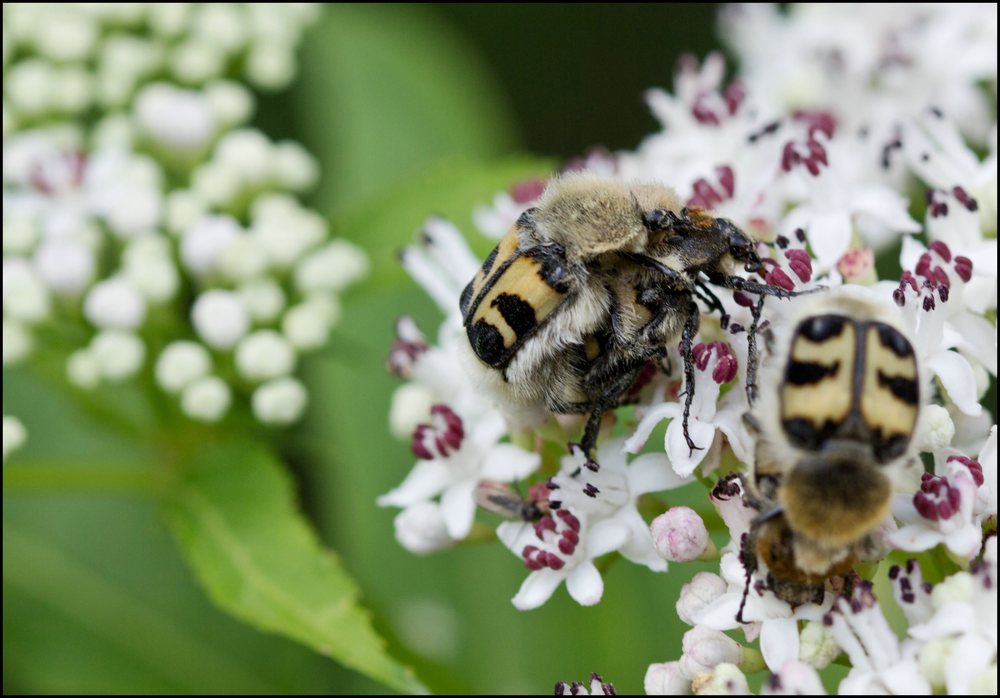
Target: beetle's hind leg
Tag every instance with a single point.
(687, 356)
(609, 399)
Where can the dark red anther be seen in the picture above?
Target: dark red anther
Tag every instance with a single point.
(777, 277)
(974, 468)
(963, 267)
(899, 297)
(702, 113)
(800, 263)
(940, 276)
(700, 354)
(417, 443)
(566, 547)
(963, 198)
(571, 535)
(923, 265)
(553, 561)
(705, 195)
(743, 299)
(727, 179)
(526, 191)
(925, 506)
(929, 304)
(789, 158)
(942, 250)
(908, 279)
(818, 120)
(943, 293)
(569, 519)
(734, 95)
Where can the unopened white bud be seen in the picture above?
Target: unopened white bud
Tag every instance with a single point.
(667, 679)
(936, 428)
(703, 589)
(679, 534)
(82, 369)
(334, 267)
(73, 90)
(133, 209)
(178, 119)
(221, 24)
(14, 435)
(156, 279)
(817, 647)
(114, 132)
(411, 406)
(119, 354)
(25, 296)
(705, 648)
(16, 342)
(794, 679)
(724, 680)
(169, 19)
(249, 153)
(263, 299)
(217, 183)
(184, 208)
(66, 266)
(307, 325)
(20, 233)
(220, 318)
(28, 86)
(193, 62)
(264, 355)
(203, 244)
(279, 402)
(420, 529)
(270, 65)
(243, 259)
(114, 304)
(294, 167)
(180, 364)
(286, 232)
(956, 588)
(66, 36)
(933, 659)
(984, 683)
(230, 102)
(206, 400)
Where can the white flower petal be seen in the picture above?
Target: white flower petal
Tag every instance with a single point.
(915, 538)
(652, 473)
(536, 589)
(585, 585)
(829, 237)
(779, 642)
(506, 462)
(458, 507)
(646, 425)
(426, 480)
(683, 459)
(958, 379)
(720, 614)
(969, 655)
(605, 536)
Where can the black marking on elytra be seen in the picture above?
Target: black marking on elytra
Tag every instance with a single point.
(488, 262)
(905, 389)
(487, 342)
(889, 449)
(466, 298)
(891, 339)
(517, 313)
(808, 372)
(807, 433)
(555, 270)
(822, 327)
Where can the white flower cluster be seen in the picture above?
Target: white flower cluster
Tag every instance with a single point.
(838, 116)
(167, 237)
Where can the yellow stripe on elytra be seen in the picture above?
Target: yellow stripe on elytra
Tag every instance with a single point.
(506, 249)
(880, 408)
(828, 400)
(523, 280)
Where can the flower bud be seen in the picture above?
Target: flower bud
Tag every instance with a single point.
(119, 355)
(666, 679)
(705, 648)
(82, 369)
(114, 305)
(411, 406)
(14, 435)
(332, 268)
(703, 589)
(933, 659)
(66, 266)
(220, 318)
(817, 647)
(204, 242)
(957, 588)
(180, 364)
(307, 325)
(16, 342)
(936, 428)
(206, 399)
(178, 119)
(25, 296)
(420, 529)
(264, 355)
(279, 402)
(263, 298)
(679, 534)
(724, 680)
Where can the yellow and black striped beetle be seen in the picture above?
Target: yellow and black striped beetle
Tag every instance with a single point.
(590, 286)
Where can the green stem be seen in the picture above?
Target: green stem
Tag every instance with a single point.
(74, 478)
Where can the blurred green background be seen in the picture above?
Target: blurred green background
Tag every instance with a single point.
(411, 110)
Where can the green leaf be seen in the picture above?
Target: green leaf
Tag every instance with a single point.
(451, 189)
(235, 518)
(386, 90)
